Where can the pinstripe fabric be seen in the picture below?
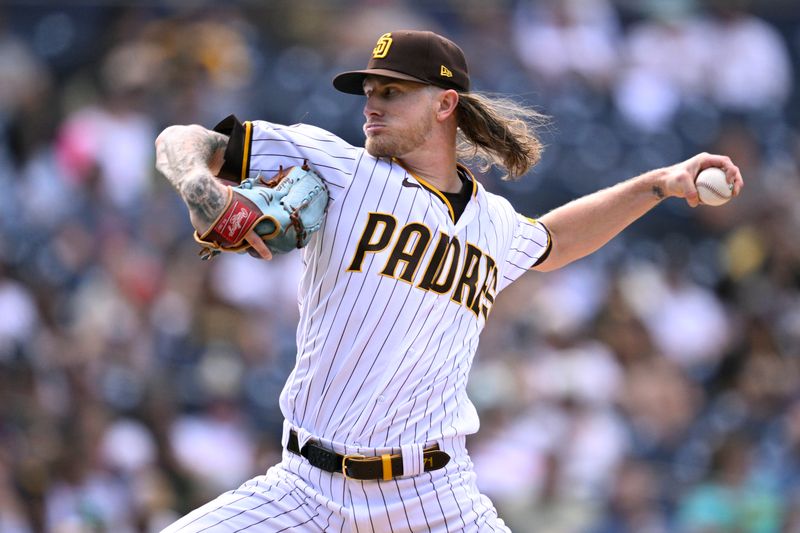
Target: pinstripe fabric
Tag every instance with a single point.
(278, 501)
(393, 297)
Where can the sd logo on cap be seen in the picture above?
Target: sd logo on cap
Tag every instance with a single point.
(421, 56)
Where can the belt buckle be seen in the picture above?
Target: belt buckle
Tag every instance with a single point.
(344, 462)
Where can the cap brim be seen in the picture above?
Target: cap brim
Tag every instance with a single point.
(353, 82)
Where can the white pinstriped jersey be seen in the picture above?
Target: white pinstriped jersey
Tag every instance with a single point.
(394, 293)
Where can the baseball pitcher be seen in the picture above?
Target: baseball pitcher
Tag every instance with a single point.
(404, 253)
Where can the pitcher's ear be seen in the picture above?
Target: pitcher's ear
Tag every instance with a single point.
(448, 101)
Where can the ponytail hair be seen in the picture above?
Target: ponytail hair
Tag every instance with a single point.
(497, 131)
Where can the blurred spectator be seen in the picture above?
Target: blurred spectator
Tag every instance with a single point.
(749, 67)
(25, 89)
(562, 40)
(114, 137)
(20, 317)
(197, 440)
(736, 497)
(635, 504)
(666, 59)
(13, 517)
(660, 405)
(685, 321)
(781, 450)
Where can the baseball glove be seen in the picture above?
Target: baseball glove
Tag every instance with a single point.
(285, 211)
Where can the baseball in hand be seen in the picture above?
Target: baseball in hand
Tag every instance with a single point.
(712, 187)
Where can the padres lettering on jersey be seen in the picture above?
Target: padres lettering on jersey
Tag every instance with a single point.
(394, 293)
(407, 247)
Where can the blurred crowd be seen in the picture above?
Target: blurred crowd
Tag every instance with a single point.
(651, 388)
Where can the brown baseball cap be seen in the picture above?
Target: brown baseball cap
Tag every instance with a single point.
(421, 56)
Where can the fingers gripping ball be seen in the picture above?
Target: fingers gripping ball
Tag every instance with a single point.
(713, 187)
(285, 211)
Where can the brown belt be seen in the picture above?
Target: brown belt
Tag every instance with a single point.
(360, 467)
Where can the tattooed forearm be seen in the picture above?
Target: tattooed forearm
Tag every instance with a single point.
(204, 197)
(180, 149)
(186, 155)
(658, 192)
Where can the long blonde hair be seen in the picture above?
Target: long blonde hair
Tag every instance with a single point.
(498, 131)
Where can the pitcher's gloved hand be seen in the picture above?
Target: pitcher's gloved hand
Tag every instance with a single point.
(284, 211)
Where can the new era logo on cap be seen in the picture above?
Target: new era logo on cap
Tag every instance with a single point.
(421, 56)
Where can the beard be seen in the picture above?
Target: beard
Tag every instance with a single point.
(398, 143)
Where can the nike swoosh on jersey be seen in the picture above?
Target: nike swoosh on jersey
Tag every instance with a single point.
(409, 183)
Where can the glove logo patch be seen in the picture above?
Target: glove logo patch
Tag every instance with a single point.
(239, 218)
(237, 221)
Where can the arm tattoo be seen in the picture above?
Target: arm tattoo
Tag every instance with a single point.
(203, 196)
(658, 192)
(183, 156)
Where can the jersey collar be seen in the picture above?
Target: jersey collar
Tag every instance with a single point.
(462, 170)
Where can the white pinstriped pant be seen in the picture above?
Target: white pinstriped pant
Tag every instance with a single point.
(295, 496)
